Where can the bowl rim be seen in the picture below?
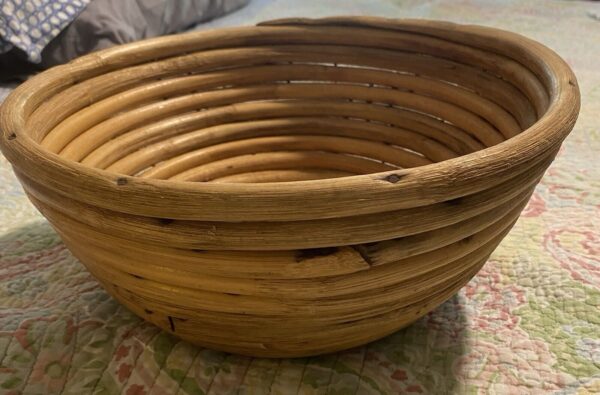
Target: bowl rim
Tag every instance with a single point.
(298, 200)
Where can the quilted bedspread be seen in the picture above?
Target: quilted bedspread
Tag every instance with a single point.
(528, 323)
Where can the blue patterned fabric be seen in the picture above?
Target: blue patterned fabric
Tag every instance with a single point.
(31, 24)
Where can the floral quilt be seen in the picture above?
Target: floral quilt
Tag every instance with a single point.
(528, 323)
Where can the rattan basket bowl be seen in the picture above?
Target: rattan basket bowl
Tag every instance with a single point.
(293, 188)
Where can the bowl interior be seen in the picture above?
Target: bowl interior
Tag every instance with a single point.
(308, 103)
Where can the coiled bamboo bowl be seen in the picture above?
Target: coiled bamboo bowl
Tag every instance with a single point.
(293, 188)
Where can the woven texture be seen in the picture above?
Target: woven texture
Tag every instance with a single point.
(526, 323)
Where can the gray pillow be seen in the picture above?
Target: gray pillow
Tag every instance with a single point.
(104, 23)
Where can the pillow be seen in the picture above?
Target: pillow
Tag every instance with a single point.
(108, 22)
(104, 23)
(29, 25)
